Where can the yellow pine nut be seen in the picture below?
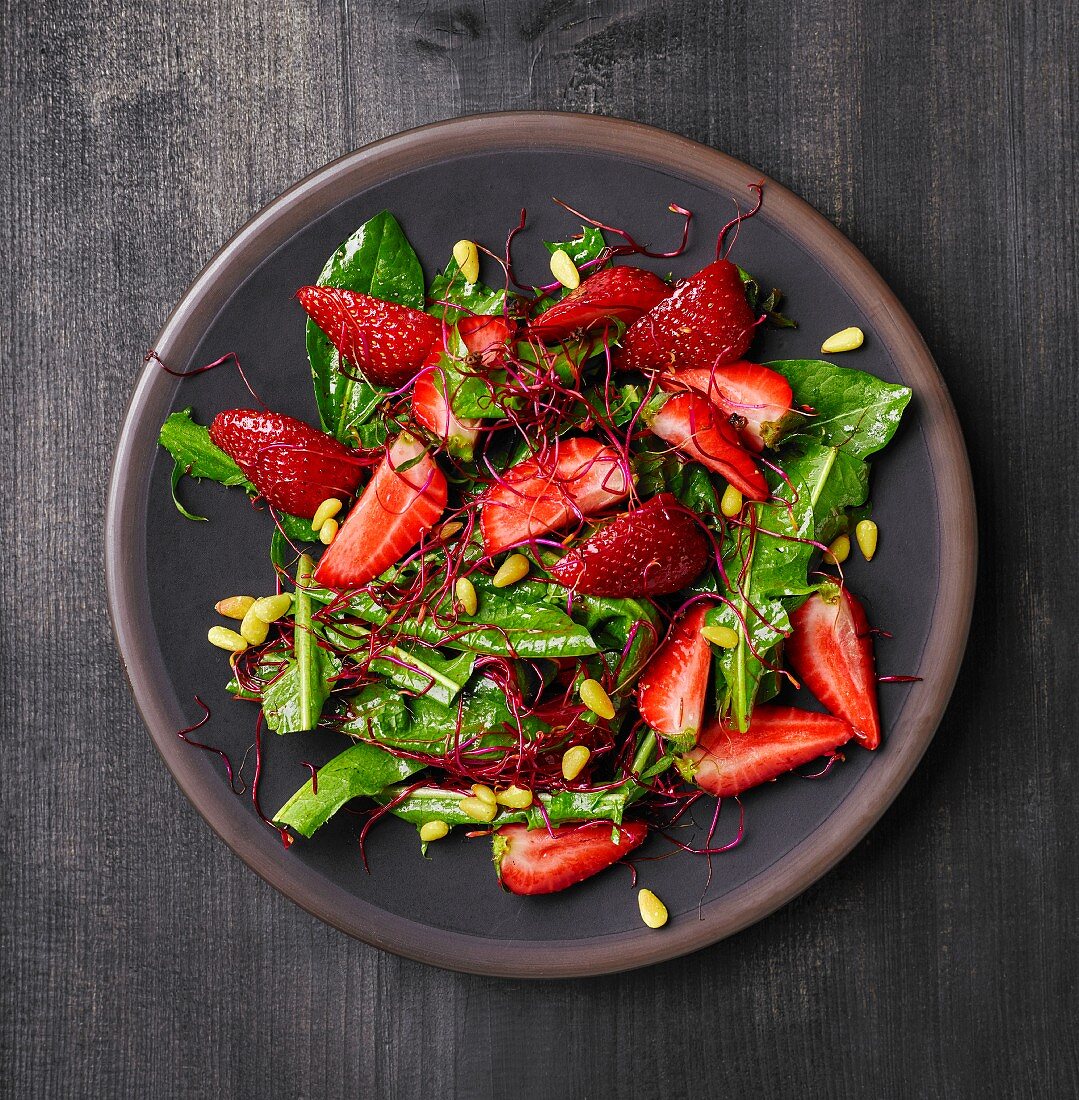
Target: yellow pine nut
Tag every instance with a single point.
(731, 504)
(433, 830)
(448, 530)
(565, 270)
(574, 760)
(270, 608)
(513, 569)
(723, 636)
(478, 809)
(866, 534)
(326, 510)
(328, 532)
(234, 607)
(596, 699)
(516, 798)
(465, 591)
(839, 551)
(253, 629)
(484, 793)
(653, 911)
(847, 340)
(224, 638)
(467, 256)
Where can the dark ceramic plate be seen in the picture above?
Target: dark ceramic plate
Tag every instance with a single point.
(470, 177)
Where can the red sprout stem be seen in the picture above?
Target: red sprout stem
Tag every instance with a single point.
(737, 220)
(229, 356)
(183, 735)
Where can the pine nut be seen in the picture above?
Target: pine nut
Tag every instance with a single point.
(467, 256)
(478, 809)
(224, 638)
(653, 911)
(596, 699)
(731, 504)
(328, 532)
(484, 793)
(516, 798)
(723, 636)
(326, 510)
(235, 607)
(574, 760)
(270, 608)
(847, 340)
(465, 591)
(866, 534)
(565, 270)
(839, 551)
(253, 629)
(513, 569)
(433, 830)
(448, 530)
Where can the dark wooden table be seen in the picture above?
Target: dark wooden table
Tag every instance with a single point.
(140, 958)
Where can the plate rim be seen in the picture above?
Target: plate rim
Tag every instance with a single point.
(127, 587)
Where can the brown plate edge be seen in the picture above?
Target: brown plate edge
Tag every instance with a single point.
(127, 583)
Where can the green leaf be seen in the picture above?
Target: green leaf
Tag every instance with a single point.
(197, 456)
(852, 410)
(616, 624)
(585, 246)
(294, 701)
(742, 667)
(782, 546)
(377, 260)
(362, 770)
(835, 481)
(465, 298)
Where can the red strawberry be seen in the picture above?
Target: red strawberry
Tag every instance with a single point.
(294, 466)
(613, 294)
(695, 427)
(831, 651)
(671, 692)
(396, 508)
(532, 861)
(387, 341)
(779, 738)
(652, 551)
(754, 398)
(574, 478)
(483, 337)
(706, 321)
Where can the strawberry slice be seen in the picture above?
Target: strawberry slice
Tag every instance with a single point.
(706, 321)
(652, 551)
(532, 861)
(672, 689)
(754, 399)
(694, 426)
(831, 651)
(726, 762)
(575, 478)
(387, 341)
(391, 516)
(294, 466)
(613, 294)
(483, 337)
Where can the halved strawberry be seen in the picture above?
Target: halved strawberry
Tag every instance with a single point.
(532, 861)
(831, 651)
(706, 321)
(694, 426)
(483, 337)
(654, 550)
(391, 516)
(726, 762)
(613, 294)
(754, 398)
(574, 478)
(294, 466)
(386, 341)
(672, 689)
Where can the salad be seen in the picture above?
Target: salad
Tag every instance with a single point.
(553, 556)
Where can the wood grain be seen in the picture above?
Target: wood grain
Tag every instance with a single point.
(140, 957)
